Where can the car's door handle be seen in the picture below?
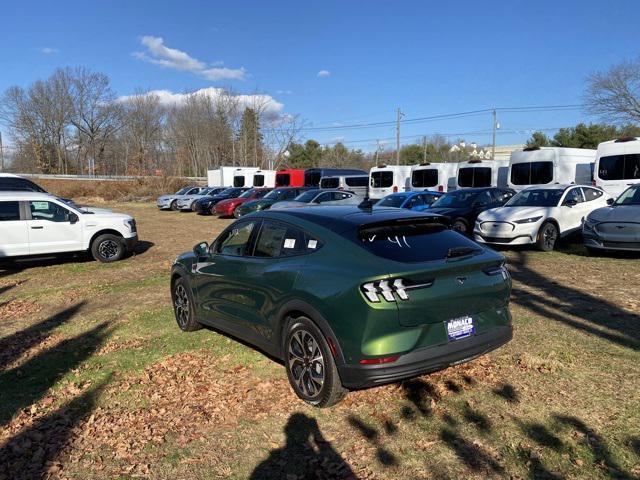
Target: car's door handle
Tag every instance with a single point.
(37, 228)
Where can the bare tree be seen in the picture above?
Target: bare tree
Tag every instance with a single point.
(615, 93)
(142, 132)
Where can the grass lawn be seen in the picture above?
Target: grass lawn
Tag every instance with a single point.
(97, 381)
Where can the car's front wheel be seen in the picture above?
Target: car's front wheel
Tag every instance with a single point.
(108, 248)
(183, 307)
(460, 226)
(236, 212)
(310, 366)
(174, 206)
(547, 237)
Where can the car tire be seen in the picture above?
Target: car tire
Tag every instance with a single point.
(193, 206)
(460, 225)
(174, 206)
(183, 306)
(108, 248)
(316, 382)
(236, 212)
(547, 237)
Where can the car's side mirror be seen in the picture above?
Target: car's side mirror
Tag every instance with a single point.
(570, 203)
(610, 201)
(201, 249)
(73, 218)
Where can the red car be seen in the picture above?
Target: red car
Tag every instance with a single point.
(227, 208)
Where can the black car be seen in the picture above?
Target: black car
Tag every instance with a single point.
(204, 205)
(462, 207)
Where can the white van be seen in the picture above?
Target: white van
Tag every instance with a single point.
(355, 183)
(384, 180)
(264, 178)
(433, 176)
(538, 166)
(231, 176)
(481, 173)
(33, 223)
(617, 165)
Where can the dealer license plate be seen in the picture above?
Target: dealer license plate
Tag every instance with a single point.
(461, 327)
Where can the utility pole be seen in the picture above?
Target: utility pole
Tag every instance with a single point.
(399, 116)
(495, 127)
(424, 149)
(1, 155)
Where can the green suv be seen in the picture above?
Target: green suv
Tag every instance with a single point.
(347, 297)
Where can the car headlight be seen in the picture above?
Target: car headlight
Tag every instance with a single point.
(589, 224)
(527, 220)
(131, 223)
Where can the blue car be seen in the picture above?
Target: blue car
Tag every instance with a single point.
(416, 201)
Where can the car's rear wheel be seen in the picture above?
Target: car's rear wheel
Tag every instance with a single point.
(236, 212)
(310, 366)
(108, 248)
(547, 237)
(183, 307)
(460, 226)
(174, 206)
(193, 206)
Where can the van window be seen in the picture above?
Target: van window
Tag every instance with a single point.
(238, 181)
(9, 211)
(474, 177)
(283, 179)
(532, 173)
(258, 181)
(424, 178)
(382, 179)
(620, 167)
(330, 182)
(312, 179)
(356, 181)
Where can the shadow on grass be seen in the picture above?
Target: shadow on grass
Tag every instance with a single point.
(559, 302)
(27, 383)
(507, 392)
(142, 246)
(31, 453)
(306, 454)
(472, 455)
(11, 286)
(384, 456)
(14, 345)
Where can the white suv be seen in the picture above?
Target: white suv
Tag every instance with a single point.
(33, 223)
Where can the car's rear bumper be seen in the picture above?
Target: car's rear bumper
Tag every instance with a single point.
(425, 360)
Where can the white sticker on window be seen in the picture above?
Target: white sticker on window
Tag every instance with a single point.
(40, 205)
(312, 244)
(289, 243)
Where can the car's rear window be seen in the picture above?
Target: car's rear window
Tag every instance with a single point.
(413, 241)
(427, 177)
(381, 179)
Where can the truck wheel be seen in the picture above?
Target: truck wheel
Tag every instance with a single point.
(183, 306)
(107, 248)
(174, 206)
(310, 366)
(547, 237)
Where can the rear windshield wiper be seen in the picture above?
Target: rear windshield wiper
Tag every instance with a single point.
(457, 252)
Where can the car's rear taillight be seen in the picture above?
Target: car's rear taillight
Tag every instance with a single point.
(395, 189)
(440, 188)
(379, 360)
(500, 270)
(389, 289)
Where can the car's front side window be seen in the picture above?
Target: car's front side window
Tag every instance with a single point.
(44, 210)
(234, 241)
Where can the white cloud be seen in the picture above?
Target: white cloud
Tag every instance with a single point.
(324, 73)
(284, 92)
(272, 108)
(48, 50)
(159, 54)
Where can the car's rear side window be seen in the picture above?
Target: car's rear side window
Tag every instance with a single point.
(281, 240)
(413, 242)
(9, 211)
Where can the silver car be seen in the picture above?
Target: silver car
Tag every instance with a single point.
(170, 202)
(186, 203)
(616, 227)
(320, 197)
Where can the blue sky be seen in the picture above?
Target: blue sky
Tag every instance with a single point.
(428, 58)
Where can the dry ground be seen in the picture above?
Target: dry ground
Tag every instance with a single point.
(97, 381)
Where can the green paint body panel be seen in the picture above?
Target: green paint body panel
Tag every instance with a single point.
(248, 296)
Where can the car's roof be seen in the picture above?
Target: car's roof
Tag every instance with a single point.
(22, 195)
(477, 189)
(9, 175)
(340, 218)
(556, 186)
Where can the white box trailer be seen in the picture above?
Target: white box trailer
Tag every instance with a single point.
(480, 173)
(550, 165)
(617, 165)
(433, 176)
(264, 178)
(384, 180)
(231, 176)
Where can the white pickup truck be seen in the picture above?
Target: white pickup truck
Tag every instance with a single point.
(33, 223)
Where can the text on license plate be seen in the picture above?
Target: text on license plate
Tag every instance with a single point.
(461, 327)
